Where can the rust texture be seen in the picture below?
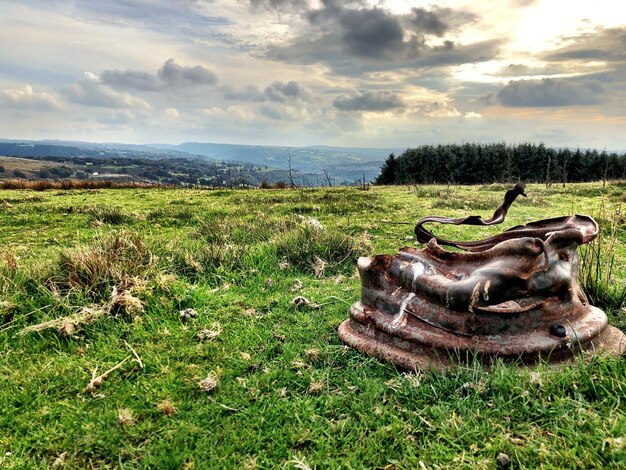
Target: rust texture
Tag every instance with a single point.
(514, 295)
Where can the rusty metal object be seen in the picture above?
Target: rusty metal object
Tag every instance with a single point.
(514, 296)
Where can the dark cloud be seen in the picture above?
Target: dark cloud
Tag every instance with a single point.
(170, 75)
(179, 76)
(549, 93)
(325, 50)
(281, 92)
(516, 70)
(130, 79)
(371, 33)
(277, 4)
(278, 92)
(368, 101)
(606, 45)
(428, 22)
(354, 39)
(438, 21)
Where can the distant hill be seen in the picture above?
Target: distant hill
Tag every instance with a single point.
(314, 158)
(313, 165)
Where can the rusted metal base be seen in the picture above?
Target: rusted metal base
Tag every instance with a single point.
(514, 296)
(361, 334)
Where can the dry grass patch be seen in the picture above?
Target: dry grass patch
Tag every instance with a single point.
(96, 270)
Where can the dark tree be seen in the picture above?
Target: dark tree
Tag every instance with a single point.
(388, 171)
(472, 163)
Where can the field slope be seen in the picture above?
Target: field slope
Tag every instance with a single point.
(157, 328)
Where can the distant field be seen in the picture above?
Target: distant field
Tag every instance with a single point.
(30, 167)
(94, 279)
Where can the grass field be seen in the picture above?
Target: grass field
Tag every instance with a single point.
(94, 282)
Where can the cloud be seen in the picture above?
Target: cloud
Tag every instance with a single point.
(90, 91)
(376, 101)
(179, 76)
(130, 79)
(170, 75)
(438, 109)
(549, 92)
(27, 98)
(250, 93)
(371, 32)
(277, 4)
(281, 92)
(428, 22)
(274, 112)
(438, 21)
(354, 39)
(607, 45)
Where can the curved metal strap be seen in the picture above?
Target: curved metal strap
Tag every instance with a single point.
(541, 229)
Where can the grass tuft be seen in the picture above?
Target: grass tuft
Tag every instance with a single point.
(108, 215)
(316, 251)
(94, 271)
(596, 271)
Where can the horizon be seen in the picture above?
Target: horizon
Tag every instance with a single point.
(371, 74)
(394, 149)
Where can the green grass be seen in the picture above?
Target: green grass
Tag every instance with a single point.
(288, 394)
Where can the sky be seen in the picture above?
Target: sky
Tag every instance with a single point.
(366, 73)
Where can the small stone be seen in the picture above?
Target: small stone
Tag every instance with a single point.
(503, 461)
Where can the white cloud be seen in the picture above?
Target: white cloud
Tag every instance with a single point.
(27, 98)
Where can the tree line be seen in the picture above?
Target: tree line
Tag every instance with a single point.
(475, 163)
